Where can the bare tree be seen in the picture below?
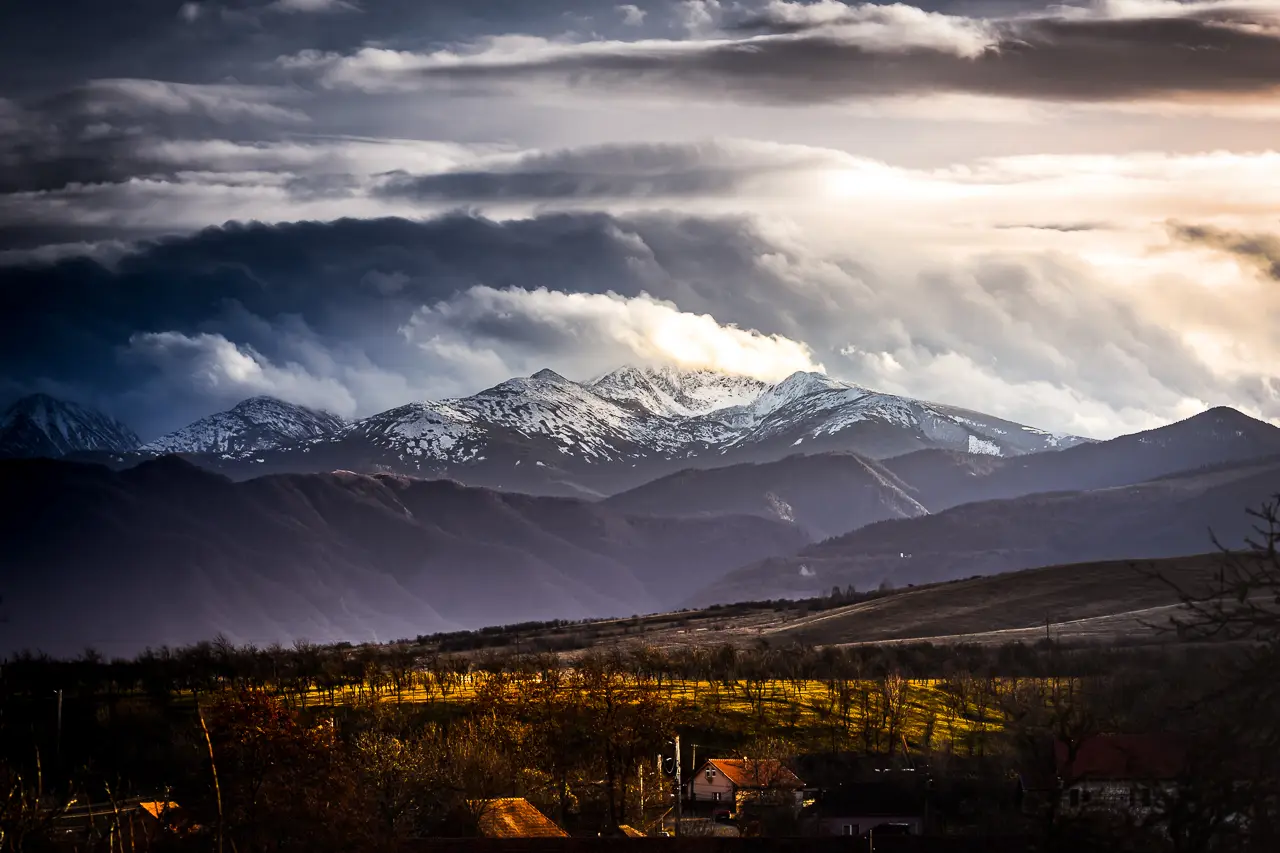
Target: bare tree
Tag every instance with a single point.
(1240, 609)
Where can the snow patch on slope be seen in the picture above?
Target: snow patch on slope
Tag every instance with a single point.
(983, 446)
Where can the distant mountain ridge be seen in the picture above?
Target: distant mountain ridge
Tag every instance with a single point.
(1219, 436)
(545, 434)
(827, 494)
(167, 552)
(255, 424)
(40, 425)
(1166, 517)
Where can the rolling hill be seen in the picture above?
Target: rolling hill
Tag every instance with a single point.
(168, 553)
(1171, 516)
(940, 478)
(1040, 601)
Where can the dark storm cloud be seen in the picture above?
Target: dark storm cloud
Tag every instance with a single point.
(108, 130)
(49, 46)
(611, 171)
(144, 185)
(362, 315)
(1069, 58)
(334, 289)
(1259, 250)
(551, 185)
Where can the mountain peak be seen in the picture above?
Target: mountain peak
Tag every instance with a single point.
(252, 425)
(671, 392)
(546, 374)
(1207, 436)
(812, 380)
(260, 400)
(798, 385)
(263, 402)
(43, 425)
(35, 401)
(1225, 413)
(1226, 421)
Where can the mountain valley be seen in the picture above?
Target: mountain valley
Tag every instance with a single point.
(543, 498)
(1167, 517)
(166, 553)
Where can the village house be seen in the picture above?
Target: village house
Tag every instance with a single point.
(734, 782)
(1128, 774)
(505, 817)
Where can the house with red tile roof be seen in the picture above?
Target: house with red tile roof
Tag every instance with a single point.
(734, 781)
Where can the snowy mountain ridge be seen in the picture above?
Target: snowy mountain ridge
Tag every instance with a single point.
(669, 392)
(635, 414)
(547, 434)
(253, 425)
(41, 425)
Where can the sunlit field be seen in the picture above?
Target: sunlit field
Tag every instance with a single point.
(890, 714)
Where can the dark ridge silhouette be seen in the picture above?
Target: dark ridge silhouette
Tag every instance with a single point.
(168, 553)
(826, 493)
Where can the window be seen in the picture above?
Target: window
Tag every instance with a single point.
(849, 829)
(1075, 797)
(717, 796)
(1087, 795)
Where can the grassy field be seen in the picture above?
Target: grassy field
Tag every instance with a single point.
(885, 715)
(1082, 603)
(1101, 602)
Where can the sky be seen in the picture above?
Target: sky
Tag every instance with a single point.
(1065, 215)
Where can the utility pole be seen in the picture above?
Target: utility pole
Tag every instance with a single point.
(679, 790)
(693, 771)
(58, 740)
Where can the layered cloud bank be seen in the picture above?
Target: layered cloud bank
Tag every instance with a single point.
(829, 51)
(1021, 211)
(360, 315)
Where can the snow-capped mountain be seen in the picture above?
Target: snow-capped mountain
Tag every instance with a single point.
(813, 409)
(669, 392)
(543, 414)
(545, 433)
(254, 425)
(40, 425)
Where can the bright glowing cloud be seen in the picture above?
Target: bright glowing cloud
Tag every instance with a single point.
(578, 332)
